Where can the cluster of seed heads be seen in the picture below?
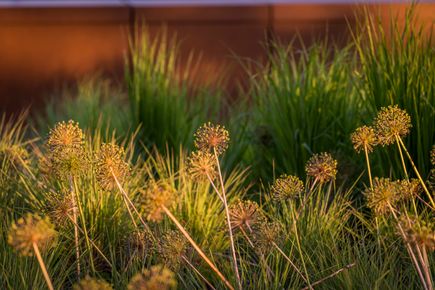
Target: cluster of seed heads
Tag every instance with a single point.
(419, 232)
(89, 283)
(110, 166)
(66, 154)
(287, 187)
(31, 230)
(172, 248)
(322, 167)
(210, 137)
(158, 277)
(245, 215)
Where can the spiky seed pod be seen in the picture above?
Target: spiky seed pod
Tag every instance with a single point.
(245, 214)
(158, 277)
(265, 235)
(209, 137)
(322, 167)
(287, 187)
(66, 154)
(60, 208)
(432, 155)
(418, 231)
(173, 247)
(139, 244)
(385, 193)
(409, 188)
(201, 164)
(29, 230)
(156, 195)
(89, 283)
(109, 163)
(392, 122)
(364, 137)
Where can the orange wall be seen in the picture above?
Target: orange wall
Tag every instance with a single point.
(43, 48)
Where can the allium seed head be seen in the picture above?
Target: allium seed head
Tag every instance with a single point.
(265, 234)
(154, 197)
(60, 208)
(385, 194)
(173, 247)
(287, 187)
(209, 137)
(392, 122)
(66, 154)
(418, 231)
(202, 164)
(139, 244)
(364, 138)
(245, 214)
(158, 277)
(409, 188)
(322, 167)
(89, 283)
(110, 164)
(29, 230)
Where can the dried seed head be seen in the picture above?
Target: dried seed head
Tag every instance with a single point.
(158, 277)
(364, 138)
(29, 230)
(110, 164)
(89, 283)
(409, 188)
(66, 149)
(392, 122)
(201, 164)
(245, 215)
(385, 194)
(265, 235)
(418, 231)
(139, 244)
(173, 247)
(209, 137)
(322, 167)
(156, 196)
(287, 187)
(60, 208)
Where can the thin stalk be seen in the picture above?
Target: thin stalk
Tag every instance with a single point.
(82, 216)
(425, 268)
(331, 275)
(76, 231)
(197, 248)
(233, 248)
(402, 158)
(417, 173)
(292, 264)
(304, 202)
(215, 188)
(197, 272)
(42, 265)
(302, 256)
(369, 171)
(426, 261)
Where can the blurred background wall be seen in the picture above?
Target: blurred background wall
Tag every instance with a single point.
(44, 45)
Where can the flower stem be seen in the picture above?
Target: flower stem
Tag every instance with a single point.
(197, 272)
(230, 231)
(331, 275)
(368, 166)
(401, 157)
(76, 231)
(196, 247)
(42, 265)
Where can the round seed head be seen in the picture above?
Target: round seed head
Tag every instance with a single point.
(392, 122)
(109, 165)
(364, 138)
(265, 235)
(60, 208)
(409, 188)
(201, 164)
(66, 149)
(322, 167)
(287, 187)
(385, 194)
(418, 231)
(89, 283)
(158, 277)
(29, 230)
(173, 247)
(245, 214)
(209, 137)
(139, 244)
(156, 196)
